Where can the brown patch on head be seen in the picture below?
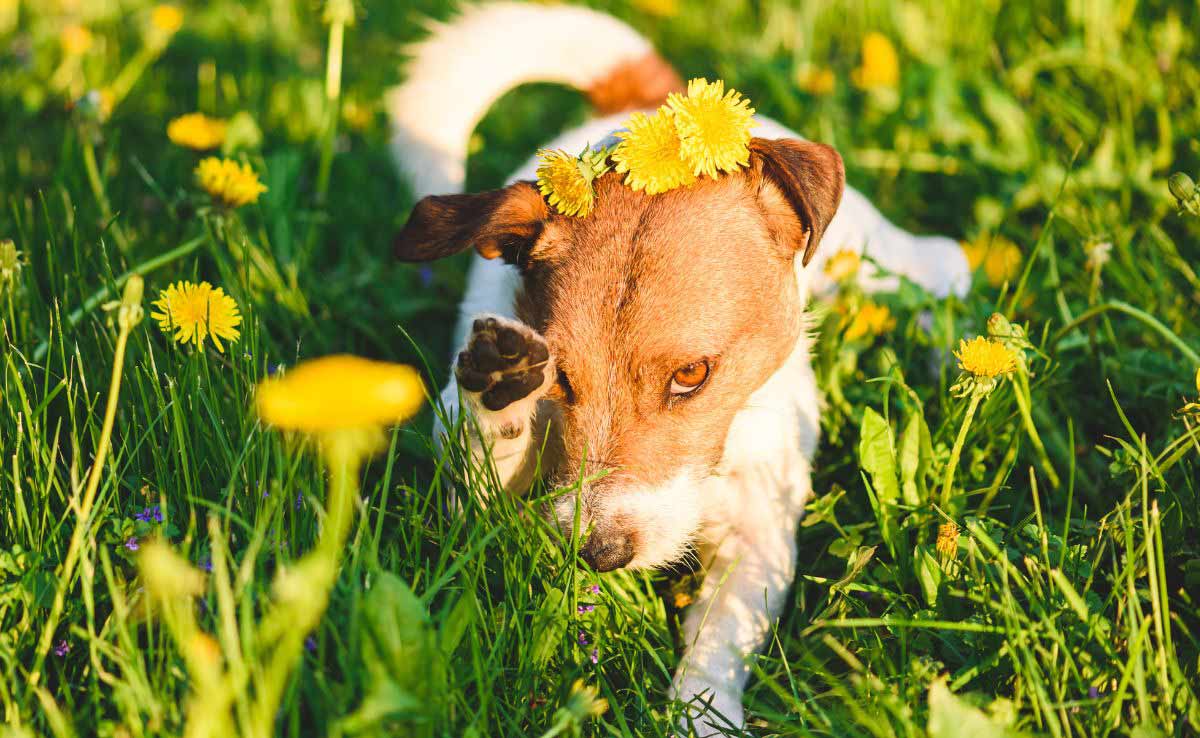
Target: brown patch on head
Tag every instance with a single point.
(638, 83)
(633, 296)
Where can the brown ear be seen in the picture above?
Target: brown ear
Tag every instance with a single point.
(505, 222)
(810, 176)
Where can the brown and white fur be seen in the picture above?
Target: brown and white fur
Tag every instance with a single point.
(580, 324)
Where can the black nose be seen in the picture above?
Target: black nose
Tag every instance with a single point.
(605, 552)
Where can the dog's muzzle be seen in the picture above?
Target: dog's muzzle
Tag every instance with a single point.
(607, 551)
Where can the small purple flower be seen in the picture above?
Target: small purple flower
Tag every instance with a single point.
(595, 655)
(594, 589)
(152, 514)
(310, 643)
(425, 273)
(1093, 692)
(62, 649)
(132, 543)
(585, 609)
(206, 564)
(583, 640)
(273, 369)
(266, 494)
(299, 500)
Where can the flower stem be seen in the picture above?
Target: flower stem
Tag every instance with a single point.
(955, 452)
(344, 455)
(130, 315)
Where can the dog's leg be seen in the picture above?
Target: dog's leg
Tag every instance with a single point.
(748, 575)
(502, 372)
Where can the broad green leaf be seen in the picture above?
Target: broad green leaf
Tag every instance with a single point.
(877, 457)
(549, 626)
(951, 716)
(929, 574)
(464, 613)
(911, 467)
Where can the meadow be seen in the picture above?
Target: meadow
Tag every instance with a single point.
(1014, 560)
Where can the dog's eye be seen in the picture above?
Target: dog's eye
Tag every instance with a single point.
(688, 379)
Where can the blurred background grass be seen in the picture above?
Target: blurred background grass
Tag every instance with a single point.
(1042, 134)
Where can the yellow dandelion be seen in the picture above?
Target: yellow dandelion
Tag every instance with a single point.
(816, 80)
(871, 320)
(843, 265)
(658, 8)
(166, 19)
(229, 182)
(947, 539)
(985, 357)
(563, 182)
(197, 131)
(194, 312)
(999, 257)
(649, 154)
(340, 392)
(880, 64)
(76, 40)
(713, 127)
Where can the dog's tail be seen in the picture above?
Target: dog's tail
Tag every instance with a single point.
(468, 62)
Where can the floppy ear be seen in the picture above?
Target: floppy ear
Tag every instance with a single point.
(505, 222)
(810, 176)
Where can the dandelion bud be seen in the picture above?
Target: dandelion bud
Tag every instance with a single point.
(1182, 187)
(130, 312)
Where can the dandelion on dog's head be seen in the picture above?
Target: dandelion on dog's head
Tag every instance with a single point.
(197, 131)
(194, 312)
(713, 126)
(566, 182)
(229, 182)
(649, 154)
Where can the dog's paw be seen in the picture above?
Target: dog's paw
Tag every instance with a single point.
(709, 710)
(505, 361)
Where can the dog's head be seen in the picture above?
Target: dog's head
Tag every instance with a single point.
(664, 313)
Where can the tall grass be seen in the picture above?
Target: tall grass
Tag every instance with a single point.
(1060, 602)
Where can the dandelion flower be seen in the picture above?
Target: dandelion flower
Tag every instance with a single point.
(649, 154)
(843, 265)
(337, 392)
(985, 357)
(565, 183)
(229, 182)
(880, 64)
(816, 80)
(947, 539)
(713, 127)
(870, 320)
(166, 19)
(999, 257)
(197, 131)
(76, 40)
(195, 312)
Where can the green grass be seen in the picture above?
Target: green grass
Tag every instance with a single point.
(1069, 609)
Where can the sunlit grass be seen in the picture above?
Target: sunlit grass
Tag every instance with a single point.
(1001, 553)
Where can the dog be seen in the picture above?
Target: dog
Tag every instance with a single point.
(662, 340)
